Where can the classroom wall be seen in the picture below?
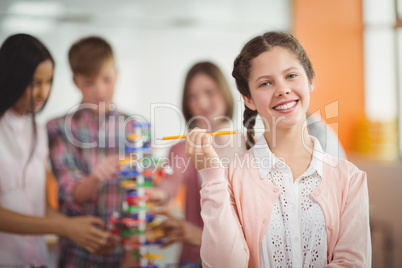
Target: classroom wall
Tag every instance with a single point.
(332, 34)
(155, 43)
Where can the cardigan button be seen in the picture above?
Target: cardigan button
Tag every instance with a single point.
(329, 227)
(265, 221)
(317, 193)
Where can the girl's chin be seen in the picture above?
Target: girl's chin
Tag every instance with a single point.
(285, 121)
(38, 108)
(210, 117)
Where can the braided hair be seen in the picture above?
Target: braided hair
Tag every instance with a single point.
(249, 118)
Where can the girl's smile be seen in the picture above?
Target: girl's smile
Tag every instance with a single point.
(286, 106)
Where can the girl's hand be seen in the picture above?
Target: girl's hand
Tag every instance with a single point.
(200, 151)
(178, 230)
(87, 232)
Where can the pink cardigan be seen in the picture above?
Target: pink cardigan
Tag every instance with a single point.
(236, 205)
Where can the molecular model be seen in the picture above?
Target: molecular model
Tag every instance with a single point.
(137, 171)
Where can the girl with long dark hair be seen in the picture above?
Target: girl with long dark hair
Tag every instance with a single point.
(26, 76)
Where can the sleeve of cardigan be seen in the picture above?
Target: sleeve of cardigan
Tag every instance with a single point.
(353, 248)
(223, 243)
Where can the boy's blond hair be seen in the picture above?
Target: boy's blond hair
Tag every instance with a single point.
(87, 55)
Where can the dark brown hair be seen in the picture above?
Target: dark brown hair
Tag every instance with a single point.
(87, 55)
(242, 67)
(20, 55)
(213, 71)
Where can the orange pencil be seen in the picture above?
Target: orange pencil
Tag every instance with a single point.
(210, 133)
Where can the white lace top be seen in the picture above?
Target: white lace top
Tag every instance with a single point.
(296, 235)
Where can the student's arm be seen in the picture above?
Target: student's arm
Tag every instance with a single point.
(51, 213)
(81, 229)
(353, 248)
(223, 243)
(86, 189)
(76, 187)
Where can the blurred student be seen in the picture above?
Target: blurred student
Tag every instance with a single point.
(84, 148)
(207, 103)
(26, 76)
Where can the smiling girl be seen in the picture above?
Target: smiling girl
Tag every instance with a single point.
(286, 203)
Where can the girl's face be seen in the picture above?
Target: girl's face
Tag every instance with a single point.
(279, 87)
(205, 98)
(39, 89)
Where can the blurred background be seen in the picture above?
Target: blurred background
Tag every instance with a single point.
(355, 47)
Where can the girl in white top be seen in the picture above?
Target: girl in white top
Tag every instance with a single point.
(26, 74)
(275, 77)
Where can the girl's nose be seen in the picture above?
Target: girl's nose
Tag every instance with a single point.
(100, 89)
(282, 89)
(203, 102)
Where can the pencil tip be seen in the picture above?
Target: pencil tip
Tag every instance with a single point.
(159, 139)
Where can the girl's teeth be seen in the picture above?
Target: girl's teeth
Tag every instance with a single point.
(285, 106)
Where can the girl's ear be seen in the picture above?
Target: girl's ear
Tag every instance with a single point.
(249, 103)
(312, 86)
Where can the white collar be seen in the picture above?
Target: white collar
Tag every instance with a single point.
(266, 160)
